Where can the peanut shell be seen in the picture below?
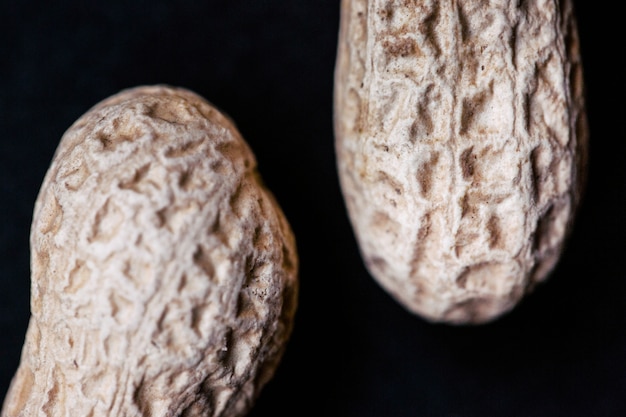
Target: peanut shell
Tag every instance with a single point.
(461, 144)
(164, 273)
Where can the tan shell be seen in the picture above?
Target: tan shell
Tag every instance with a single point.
(461, 145)
(164, 274)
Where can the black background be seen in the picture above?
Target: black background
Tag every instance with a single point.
(354, 351)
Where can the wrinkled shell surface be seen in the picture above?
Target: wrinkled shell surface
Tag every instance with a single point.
(164, 275)
(461, 146)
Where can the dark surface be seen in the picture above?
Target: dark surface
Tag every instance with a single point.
(354, 352)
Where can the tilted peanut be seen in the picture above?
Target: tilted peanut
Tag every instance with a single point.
(461, 141)
(164, 274)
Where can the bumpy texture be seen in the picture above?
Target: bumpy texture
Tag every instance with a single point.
(461, 142)
(164, 274)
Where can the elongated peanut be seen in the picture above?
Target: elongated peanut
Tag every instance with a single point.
(164, 274)
(461, 142)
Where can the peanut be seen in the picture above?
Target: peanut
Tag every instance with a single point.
(461, 144)
(164, 274)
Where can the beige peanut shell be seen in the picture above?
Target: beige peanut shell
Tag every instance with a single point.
(164, 274)
(461, 142)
